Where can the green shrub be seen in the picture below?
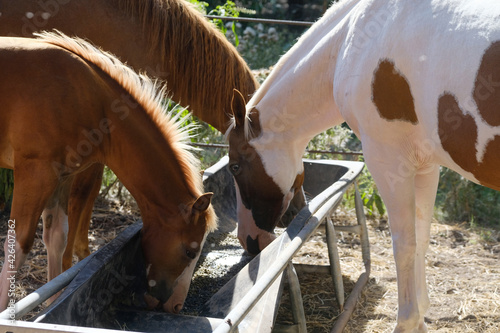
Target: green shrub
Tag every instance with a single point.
(461, 200)
(6, 188)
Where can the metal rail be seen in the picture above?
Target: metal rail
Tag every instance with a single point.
(259, 20)
(8, 326)
(310, 151)
(40, 295)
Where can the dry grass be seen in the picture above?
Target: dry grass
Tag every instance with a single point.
(108, 220)
(462, 271)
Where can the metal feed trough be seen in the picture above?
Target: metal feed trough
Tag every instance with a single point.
(104, 292)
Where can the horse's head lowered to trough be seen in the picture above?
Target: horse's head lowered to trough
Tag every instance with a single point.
(262, 202)
(171, 251)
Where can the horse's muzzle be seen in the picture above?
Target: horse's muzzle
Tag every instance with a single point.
(154, 303)
(255, 246)
(161, 297)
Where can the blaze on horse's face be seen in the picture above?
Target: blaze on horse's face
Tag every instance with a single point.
(171, 251)
(261, 203)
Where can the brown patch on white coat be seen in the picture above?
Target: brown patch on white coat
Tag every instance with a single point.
(458, 130)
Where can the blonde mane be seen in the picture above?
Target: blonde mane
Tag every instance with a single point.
(178, 31)
(148, 94)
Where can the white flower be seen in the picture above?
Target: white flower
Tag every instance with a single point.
(249, 31)
(273, 34)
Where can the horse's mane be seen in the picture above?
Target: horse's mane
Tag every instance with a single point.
(149, 95)
(178, 31)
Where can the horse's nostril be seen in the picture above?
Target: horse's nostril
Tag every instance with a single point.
(253, 245)
(177, 308)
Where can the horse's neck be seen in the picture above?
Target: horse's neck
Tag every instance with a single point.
(205, 86)
(296, 101)
(95, 20)
(144, 159)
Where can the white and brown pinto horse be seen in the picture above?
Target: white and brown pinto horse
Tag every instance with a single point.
(417, 81)
(67, 105)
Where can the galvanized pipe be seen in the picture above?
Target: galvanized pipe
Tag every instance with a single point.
(296, 299)
(363, 235)
(333, 255)
(344, 317)
(30, 327)
(40, 295)
(355, 229)
(310, 151)
(259, 20)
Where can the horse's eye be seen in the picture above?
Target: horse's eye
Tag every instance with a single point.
(234, 168)
(190, 254)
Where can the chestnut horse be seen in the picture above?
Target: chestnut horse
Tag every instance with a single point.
(166, 38)
(417, 81)
(67, 105)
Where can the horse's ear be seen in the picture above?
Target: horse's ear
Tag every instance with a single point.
(238, 107)
(201, 204)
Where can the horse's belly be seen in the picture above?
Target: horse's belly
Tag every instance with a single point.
(482, 166)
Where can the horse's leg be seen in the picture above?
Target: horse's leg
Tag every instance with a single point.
(55, 227)
(35, 182)
(55, 230)
(426, 183)
(395, 182)
(84, 190)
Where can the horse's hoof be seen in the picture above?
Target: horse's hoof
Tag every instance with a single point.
(422, 328)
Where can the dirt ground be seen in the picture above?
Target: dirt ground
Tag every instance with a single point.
(463, 272)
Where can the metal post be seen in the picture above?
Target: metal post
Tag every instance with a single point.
(296, 301)
(335, 270)
(363, 235)
(343, 318)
